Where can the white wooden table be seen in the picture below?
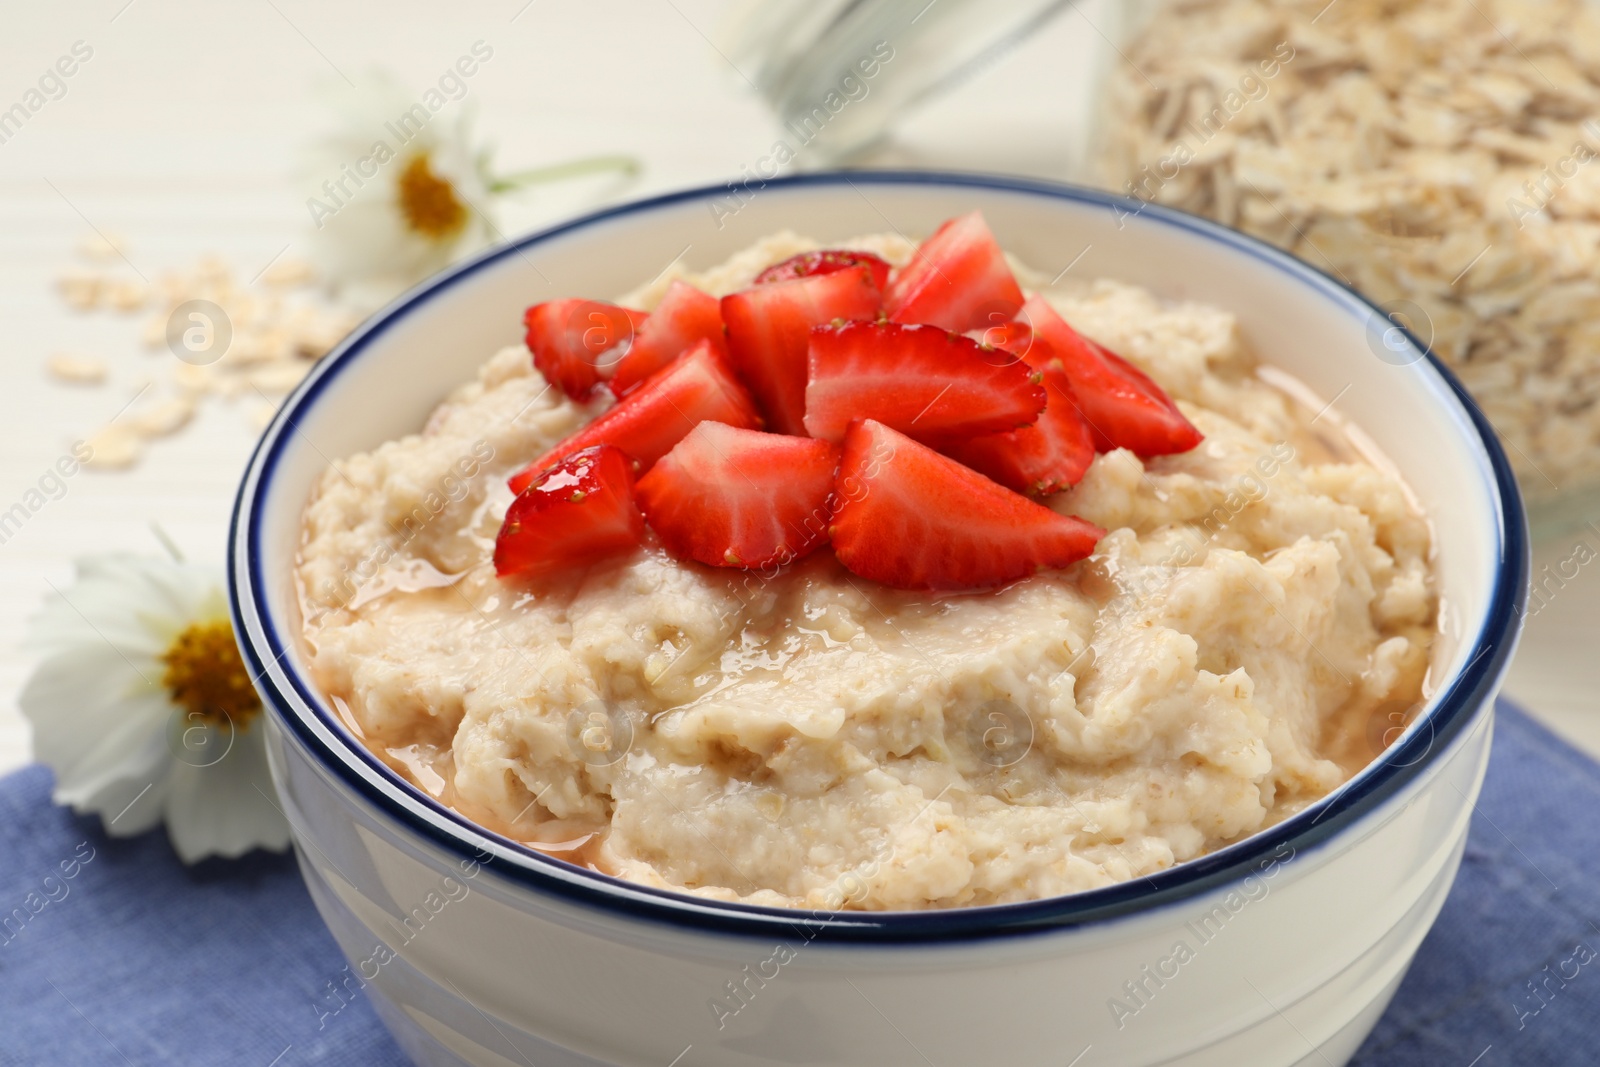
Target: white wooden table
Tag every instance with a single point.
(181, 131)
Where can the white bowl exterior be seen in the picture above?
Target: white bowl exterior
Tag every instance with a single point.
(1334, 933)
(1277, 974)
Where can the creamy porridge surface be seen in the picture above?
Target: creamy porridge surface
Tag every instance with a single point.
(812, 739)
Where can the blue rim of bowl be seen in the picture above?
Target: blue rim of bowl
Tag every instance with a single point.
(1454, 708)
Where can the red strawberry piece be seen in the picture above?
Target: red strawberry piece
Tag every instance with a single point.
(696, 388)
(807, 264)
(1010, 336)
(923, 381)
(574, 342)
(1047, 457)
(1123, 407)
(910, 518)
(769, 331)
(580, 510)
(740, 498)
(957, 279)
(684, 316)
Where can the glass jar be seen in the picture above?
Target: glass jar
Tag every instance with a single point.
(839, 72)
(1437, 155)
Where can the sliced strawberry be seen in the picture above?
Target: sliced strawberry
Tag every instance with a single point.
(923, 381)
(696, 388)
(1047, 457)
(740, 498)
(1011, 336)
(908, 517)
(808, 264)
(958, 279)
(1123, 407)
(580, 510)
(769, 330)
(573, 341)
(684, 316)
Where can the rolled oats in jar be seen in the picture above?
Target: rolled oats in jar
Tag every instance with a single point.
(1438, 155)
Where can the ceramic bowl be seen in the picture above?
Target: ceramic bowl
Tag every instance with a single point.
(1283, 948)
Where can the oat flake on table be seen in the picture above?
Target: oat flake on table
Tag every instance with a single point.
(279, 330)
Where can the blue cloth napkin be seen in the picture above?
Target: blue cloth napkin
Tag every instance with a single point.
(133, 959)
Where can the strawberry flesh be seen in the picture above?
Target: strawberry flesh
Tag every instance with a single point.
(769, 333)
(1123, 407)
(928, 383)
(807, 264)
(912, 519)
(908, 517)
(580, 510)
(696, 388)
(684, 316)
(1013, 336)
(729, 497)
(957, 279)
(1047, 457)
(574, 341)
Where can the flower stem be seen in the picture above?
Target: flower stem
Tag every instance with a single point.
(576, 168)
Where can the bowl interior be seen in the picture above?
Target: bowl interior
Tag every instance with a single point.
(383, 382)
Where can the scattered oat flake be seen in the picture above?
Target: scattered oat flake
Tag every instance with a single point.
(127, 294)
(318, 339)
(288, 273)
(261, 413)
(114, 448)
(213, 268)
(78, 370)
(278, 377)
(82, 289)
(162, 417)
(153, 334)
(195, 378)
(103, 246)
(250, 348)
(173, 287)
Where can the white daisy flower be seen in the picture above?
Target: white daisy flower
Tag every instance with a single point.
(400, 189)
(142, 707)
(395, 193)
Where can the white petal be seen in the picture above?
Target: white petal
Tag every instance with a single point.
(74, 700)
(228, 808)
(127, 806)
(379, 97)
(84, 679)
(364, 246)
(98, 755)
(368, 239)
(134, 603)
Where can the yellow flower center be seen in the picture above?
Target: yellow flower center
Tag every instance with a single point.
(429, 203)
(207, 678)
